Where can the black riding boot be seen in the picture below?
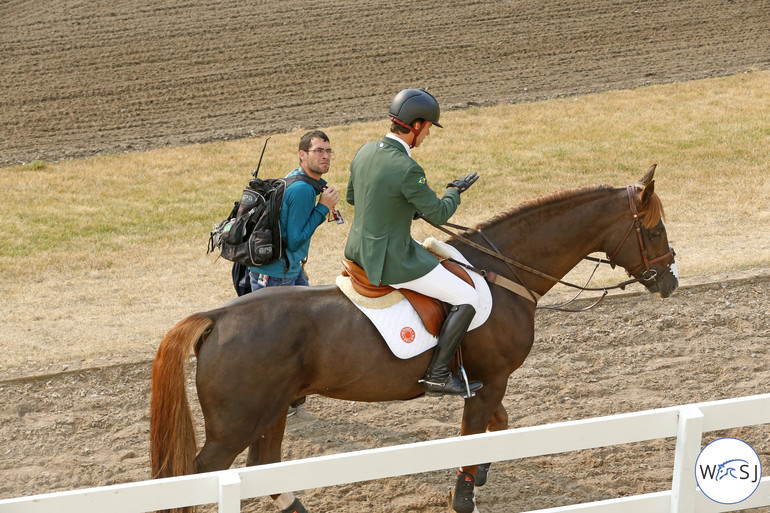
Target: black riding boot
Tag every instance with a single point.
(439, 380)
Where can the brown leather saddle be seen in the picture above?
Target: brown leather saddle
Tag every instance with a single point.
(432, 311)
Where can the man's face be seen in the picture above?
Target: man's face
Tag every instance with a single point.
(317, 159)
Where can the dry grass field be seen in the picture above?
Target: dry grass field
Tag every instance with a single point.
(120, 239)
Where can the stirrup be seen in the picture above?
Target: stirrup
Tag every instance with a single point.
(470, 393)
(439, 388)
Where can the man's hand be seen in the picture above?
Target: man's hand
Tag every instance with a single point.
(462, 184)
(329, 197)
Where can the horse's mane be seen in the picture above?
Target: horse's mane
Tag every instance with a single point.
(540, 201)
(651, 214)
(654, 211)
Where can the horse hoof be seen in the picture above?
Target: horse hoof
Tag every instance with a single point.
(461, 501)
(451, 509)
(481, 473)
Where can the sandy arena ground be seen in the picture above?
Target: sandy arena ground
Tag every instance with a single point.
(90, 427)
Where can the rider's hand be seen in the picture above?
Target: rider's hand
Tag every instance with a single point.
(462, 184)
(329, 197)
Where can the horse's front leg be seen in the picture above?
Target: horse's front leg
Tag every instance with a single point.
(476, 417)
(498, 422)
(267, 449)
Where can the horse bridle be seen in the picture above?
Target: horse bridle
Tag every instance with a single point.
(636, 224)
(649, 274)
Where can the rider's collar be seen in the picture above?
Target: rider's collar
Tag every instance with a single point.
(408, 150)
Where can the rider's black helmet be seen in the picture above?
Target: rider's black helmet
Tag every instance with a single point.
(410, 105)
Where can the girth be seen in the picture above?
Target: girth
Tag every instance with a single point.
(432, 311)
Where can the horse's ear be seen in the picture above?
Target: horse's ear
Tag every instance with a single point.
(649, 190)
(647, 178)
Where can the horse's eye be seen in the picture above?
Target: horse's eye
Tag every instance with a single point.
(656, 234)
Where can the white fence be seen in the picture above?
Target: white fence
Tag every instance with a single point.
(227, 488)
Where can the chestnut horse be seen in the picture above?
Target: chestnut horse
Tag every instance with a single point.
(262, 351)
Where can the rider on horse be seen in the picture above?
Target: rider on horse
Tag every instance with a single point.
(388, 190)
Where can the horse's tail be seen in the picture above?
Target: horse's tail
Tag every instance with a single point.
(172, 436)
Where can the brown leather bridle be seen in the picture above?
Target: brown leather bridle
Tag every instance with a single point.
(649, 274)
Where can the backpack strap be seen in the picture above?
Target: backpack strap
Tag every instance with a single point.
(317, 185)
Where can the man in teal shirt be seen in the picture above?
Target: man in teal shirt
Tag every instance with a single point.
(300, 215)
(387, 188)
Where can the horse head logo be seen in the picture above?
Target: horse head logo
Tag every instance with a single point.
(728, 468)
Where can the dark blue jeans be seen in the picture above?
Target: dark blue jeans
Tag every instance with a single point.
(272, 281)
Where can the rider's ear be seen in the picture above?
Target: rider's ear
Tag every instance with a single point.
(647, 178)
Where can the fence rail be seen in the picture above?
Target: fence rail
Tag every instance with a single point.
(229, 487)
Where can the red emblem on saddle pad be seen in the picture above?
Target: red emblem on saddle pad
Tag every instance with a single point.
(407, 335)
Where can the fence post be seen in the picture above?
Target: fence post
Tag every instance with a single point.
(230, 492)
(688, 441)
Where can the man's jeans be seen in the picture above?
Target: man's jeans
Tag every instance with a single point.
(259, 281)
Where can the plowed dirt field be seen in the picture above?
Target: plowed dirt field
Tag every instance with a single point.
(80, 78)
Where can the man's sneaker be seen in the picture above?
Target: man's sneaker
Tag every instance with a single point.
(295, 405)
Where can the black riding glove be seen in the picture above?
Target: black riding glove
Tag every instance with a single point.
(463, 183)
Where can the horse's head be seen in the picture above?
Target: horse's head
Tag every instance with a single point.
(644, 251)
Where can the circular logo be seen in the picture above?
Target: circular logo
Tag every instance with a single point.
(728, 470)
(407, 335)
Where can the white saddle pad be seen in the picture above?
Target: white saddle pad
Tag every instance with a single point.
(396, 319)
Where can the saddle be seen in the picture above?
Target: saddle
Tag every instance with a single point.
(432, 311)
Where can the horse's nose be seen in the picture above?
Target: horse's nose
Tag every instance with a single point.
(666, 290)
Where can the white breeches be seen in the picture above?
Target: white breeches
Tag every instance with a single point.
(442, 284)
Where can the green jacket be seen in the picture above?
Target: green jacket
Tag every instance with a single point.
(386, 188)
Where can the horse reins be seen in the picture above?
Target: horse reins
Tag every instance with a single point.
(518, 288)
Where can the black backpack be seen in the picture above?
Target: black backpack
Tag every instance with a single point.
(251, 234)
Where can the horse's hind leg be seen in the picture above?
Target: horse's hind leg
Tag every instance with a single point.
(216, 456)
(267, 449)
(224, 445)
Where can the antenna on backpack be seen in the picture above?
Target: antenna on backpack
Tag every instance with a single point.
(254, 173)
